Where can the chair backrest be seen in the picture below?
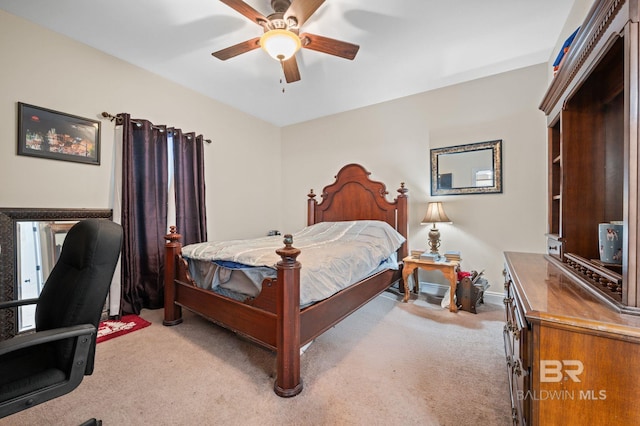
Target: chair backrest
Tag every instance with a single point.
(77, 287)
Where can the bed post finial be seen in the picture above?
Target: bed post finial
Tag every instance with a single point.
(402, 190)
(288, 382)
(288, 253)
(173, 235)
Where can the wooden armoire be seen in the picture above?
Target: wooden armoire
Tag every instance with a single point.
(572, 336)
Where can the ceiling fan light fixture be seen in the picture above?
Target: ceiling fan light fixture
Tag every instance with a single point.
(280, 44)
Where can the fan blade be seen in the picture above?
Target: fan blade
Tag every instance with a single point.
(246, 10)
(290, 68)
(237, 49)
(302, 10)
(329, 45)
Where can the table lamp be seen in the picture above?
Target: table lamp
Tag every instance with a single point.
(435, 214)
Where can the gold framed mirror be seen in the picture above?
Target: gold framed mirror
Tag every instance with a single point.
(467, 169)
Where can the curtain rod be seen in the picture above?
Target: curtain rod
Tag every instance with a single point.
(118, 120)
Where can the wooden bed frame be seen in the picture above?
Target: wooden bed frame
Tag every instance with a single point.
(274, 318)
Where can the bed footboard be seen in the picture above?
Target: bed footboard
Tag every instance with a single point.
(274, 318)
(279, 331)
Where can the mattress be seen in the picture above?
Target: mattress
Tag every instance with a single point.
(333, 255)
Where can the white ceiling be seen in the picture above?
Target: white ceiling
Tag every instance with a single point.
(406, 46)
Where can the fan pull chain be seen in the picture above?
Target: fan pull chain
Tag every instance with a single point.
(282, 86)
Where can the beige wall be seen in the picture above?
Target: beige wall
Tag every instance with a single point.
(392, 140)
(42, 68)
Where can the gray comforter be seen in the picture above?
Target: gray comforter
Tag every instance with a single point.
(333, 255)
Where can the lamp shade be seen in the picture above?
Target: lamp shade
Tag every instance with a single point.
(435, 214)
(280, 44)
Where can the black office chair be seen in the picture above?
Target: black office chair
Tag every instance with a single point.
(52, 361)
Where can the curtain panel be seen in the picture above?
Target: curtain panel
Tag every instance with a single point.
(144, 214)
(145, 205)
(188, 156)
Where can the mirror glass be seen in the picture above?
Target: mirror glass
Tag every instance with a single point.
(30, 243)
(467, 169)
(38, 245)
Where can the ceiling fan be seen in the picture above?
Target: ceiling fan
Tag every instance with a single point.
(282, 38)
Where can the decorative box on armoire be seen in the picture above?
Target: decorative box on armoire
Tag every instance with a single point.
(572, 335)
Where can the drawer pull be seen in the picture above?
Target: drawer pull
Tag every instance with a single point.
(518, 370)
(511, 327)
(506, 329)
(509, 359)
(515, 331)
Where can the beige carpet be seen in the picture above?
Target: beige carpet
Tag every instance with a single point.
(387, 364)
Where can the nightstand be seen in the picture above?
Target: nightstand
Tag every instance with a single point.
(449, 269)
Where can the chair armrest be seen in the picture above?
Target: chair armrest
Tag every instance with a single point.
(73, 371)
(14, 303)
(40, 337)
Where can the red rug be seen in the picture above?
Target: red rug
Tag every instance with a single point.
(114, 328)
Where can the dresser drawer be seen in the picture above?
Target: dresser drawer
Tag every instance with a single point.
(516, 335)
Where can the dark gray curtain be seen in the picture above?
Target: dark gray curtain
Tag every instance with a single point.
(188, 156)
(144, 214)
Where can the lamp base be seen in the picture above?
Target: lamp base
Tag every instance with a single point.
(434, 239)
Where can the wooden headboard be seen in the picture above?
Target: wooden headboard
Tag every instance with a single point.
(353, 196)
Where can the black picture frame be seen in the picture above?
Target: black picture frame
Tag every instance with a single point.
(55, 135)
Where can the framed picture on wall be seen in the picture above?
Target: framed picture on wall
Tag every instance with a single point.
(55, 135)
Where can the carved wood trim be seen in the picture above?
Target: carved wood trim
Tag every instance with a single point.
(596, 24)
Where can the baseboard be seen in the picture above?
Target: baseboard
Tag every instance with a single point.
(434, 291)
(493, 298)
